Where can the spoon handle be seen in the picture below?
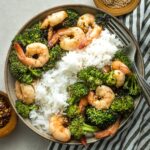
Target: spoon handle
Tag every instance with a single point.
(144, 85)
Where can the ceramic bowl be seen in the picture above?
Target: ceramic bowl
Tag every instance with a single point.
(121, 31)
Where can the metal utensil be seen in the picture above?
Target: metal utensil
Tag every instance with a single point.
(130, 51)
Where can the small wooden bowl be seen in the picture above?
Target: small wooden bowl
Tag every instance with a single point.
(10, 126)
(117, 11)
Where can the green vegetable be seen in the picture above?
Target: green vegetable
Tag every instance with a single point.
(91, 76)
(131, 85)
(79, 128)
(101, 118)
(27, 75)
(109, 78)
(72, 111)
(77, 91)
(36, 72)
(26, 78)
(49, 65)
(123, 105)
(31, 35)
(120, 55)
(71, 100)
(55, 54)
(24, 109)
(21, 72)
(72, 18)
(121, 92)
(18, 70)
(102, 19)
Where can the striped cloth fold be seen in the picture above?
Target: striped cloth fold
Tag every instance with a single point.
(135, 134)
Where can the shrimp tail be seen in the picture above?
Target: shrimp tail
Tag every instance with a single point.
(50, 33)
(83, 141)
(19, 50)
(53, 40)
(82, 104)
(109, 131)
(86, 41)
(50, 44)
(83, 43)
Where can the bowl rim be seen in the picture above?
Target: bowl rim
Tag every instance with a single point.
(30, 22)
(118, 11)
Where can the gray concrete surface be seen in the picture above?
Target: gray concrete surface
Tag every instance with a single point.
(14, 14)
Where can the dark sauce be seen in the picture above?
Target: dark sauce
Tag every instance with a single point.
(5, 112)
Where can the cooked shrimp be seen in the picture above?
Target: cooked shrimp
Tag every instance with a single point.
(87, 23)
(105, 94)
(109, 131)
(54, 19)
(82, 104)
(118, 65)
(57, 129)
(106, 69)
(25, 92)
(120, 77)
(33, 49)
(50, 34)
(70, 38)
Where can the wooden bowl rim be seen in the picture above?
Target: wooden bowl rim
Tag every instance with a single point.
(117, 11)
(8, 129)
(3, 94)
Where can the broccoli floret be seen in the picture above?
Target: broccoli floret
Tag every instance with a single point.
(102, 19)
(16, 67)
(26, 78)
(120, 55)
(72, 111)
(109, 79)
(79, 128)
(36, 72)
(55, 54)
(24, 109)
(31, 35)
(71, 100)
(123, 105)
(49, 65)
(131, 85)
(77, 91)
(101, 118)
(20, 71)
(72, 18)
(91, 76)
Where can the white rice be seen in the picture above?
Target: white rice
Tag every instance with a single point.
(51, 93)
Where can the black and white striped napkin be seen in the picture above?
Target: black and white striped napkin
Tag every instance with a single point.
(135, 134)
